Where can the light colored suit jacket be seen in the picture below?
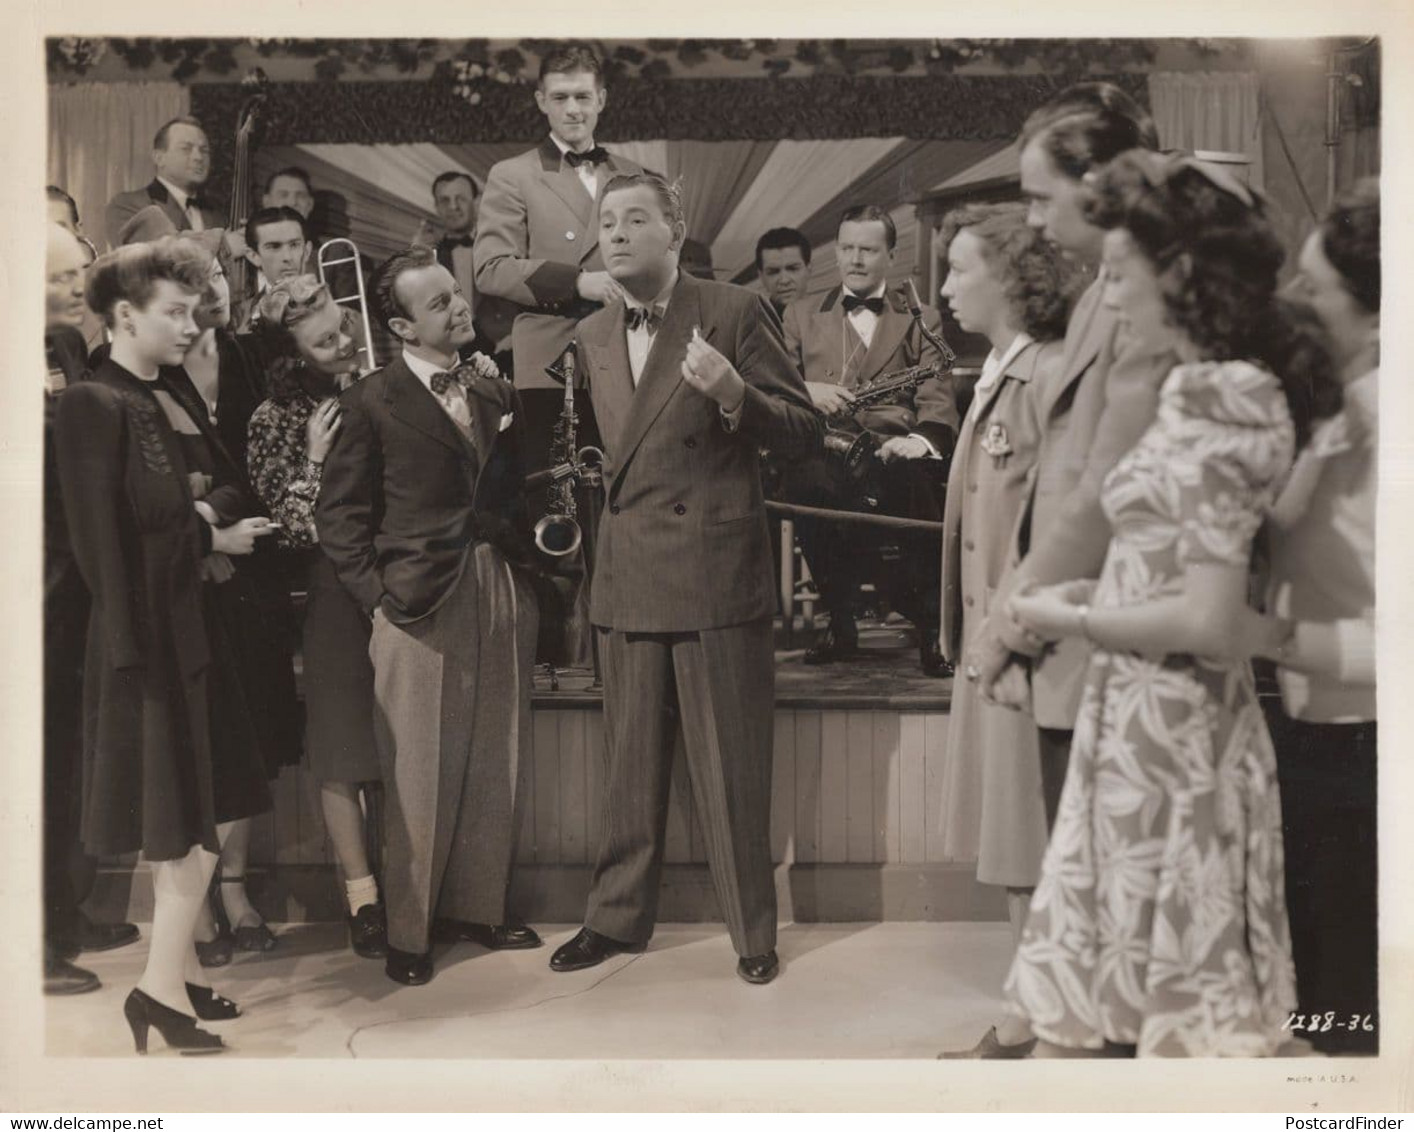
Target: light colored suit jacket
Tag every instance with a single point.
(683, 543)
(125, 206)
(827, 349)
(988, 485)
(1105, 399)
(536, 230)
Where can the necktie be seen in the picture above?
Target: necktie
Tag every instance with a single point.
(854, 302)
(641, 317)
(595, 156)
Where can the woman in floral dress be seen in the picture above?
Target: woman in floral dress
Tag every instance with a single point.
(1160, 924)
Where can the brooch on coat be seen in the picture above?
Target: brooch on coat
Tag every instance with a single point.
(995, 442)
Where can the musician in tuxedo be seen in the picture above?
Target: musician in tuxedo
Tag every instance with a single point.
(289, 187)
(858, 333)
(783, 264)
(1105, 398)
(422, 510)
(181, 156)
(689, 379)
(455, 200)
(278, 247)
(537, 232)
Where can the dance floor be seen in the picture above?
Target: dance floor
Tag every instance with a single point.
(892, 990)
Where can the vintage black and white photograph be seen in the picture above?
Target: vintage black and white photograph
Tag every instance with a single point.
(720, 549)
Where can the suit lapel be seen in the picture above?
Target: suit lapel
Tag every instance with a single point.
(609, 378)
(486, 414)
(1083, 341)
(413, 404)
(889, 333)
(662, 372)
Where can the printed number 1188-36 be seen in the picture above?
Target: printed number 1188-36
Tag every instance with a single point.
(1322, 1023)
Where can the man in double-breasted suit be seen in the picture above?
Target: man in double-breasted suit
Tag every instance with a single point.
(181, 156)
(689, 378)
(858, 333)
(422, 510)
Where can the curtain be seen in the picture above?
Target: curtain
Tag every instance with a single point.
(100, 140)
(1195, 110)
(793, 183)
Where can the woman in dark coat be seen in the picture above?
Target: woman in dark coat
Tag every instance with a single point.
(313, 353)
(172, 749)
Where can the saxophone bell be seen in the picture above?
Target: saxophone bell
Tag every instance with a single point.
(558, 536)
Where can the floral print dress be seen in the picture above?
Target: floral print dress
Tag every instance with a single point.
(1160, 920)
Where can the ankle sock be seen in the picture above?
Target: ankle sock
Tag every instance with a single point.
(361, 893)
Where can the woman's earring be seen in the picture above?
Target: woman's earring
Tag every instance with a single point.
(129, 328)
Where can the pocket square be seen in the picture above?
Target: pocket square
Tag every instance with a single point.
(506, 420)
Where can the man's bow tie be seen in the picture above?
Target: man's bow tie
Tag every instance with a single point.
(640, 317)
(595, 156)
(458, 241)
(854, 302)
(197, 203)
(442, 379)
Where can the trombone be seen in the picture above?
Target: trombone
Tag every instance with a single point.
(358, 298)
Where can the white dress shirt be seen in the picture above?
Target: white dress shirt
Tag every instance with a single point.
(453, 401)
(864, 321)
(183, 199)
(588, 174)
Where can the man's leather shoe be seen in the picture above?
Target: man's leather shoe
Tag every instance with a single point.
(837, 643)
(589, 949)
(990, 1049)
(759, 969)
(930, 657)
(498, 937)
(62, 977)
(410, 968)
(368, 932)
(104, 937)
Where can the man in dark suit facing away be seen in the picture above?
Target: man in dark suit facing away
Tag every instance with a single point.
(422, 510)
(689, 379)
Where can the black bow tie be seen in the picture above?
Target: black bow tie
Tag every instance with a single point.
(594, 156)
(639, 317)
(855, 302)
(442, 379)
(458, 241)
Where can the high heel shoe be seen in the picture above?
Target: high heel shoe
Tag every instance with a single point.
(210, 1006)
(178, 1030)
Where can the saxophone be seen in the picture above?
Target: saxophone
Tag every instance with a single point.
(851, 444)
(558, 532)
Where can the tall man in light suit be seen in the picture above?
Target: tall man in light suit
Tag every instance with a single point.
(181, 156)
(537, 236)
(422, 511)
(690, 379)
(858, 333)
(1105, 399)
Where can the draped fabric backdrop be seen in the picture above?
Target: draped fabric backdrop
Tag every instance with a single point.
(1196, 110)
(100, 140)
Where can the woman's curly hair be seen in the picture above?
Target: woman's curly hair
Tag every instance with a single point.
(1350, 238)
(281, 308)
(1229, 256)
(1040, 283)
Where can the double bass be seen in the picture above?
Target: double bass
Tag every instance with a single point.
(246, 122)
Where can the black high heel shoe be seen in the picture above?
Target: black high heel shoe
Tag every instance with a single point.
(210, 1006)
(178, 1030)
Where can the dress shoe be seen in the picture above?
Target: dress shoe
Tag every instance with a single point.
(178, 1030)
(589, 949)
(930, 657)
(990, 1049)
(104, 937)
(411, 968)
(210, 1006)
(368, 932)
(839, 642)
(62, 977)
(759, 969)
(498, 937)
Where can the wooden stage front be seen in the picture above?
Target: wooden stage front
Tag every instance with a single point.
(856, 831)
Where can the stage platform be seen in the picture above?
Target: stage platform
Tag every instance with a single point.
(860, 757)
